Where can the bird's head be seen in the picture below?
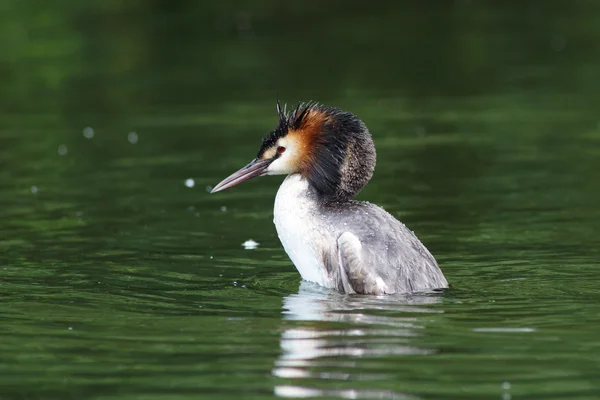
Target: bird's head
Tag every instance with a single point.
(329, 147)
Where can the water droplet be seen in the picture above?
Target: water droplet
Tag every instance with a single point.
(34, 189)
(62, 150)
(189, 182)
(132, 137)
(250, 244)
(88, 132)
(70, 328)
(223, 208)
(506, 385)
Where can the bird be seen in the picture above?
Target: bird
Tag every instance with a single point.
(350, 246)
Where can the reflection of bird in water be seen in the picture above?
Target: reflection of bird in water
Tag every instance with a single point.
(333, 240)
(311, 350)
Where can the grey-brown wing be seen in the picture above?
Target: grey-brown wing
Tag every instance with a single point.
(355, 275)
(377, 254)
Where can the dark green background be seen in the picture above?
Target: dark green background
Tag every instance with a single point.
(118, 281)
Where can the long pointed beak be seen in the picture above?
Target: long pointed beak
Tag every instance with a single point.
(255, 168)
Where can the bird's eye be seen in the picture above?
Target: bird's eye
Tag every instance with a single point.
(280, 150)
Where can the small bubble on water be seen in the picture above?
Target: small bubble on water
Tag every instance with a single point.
(70, 328)
(223, 208)
(506, 396)
(132, 137)
(191, 208)
(189, 182)
(88, 132)
(250, 244)
(506, 385)
(34, 189)
(62, 150)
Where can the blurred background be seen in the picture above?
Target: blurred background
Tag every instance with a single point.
(120, 276)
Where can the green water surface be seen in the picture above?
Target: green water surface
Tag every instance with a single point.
(122, 277)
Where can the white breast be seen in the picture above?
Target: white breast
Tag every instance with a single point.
(302, 238)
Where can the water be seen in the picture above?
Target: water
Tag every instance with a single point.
(121, 277)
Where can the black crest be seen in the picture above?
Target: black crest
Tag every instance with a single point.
(286, 121)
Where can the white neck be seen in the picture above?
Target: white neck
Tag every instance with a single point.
(301, 234)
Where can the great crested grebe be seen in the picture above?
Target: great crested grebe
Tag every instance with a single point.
(340, 243)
